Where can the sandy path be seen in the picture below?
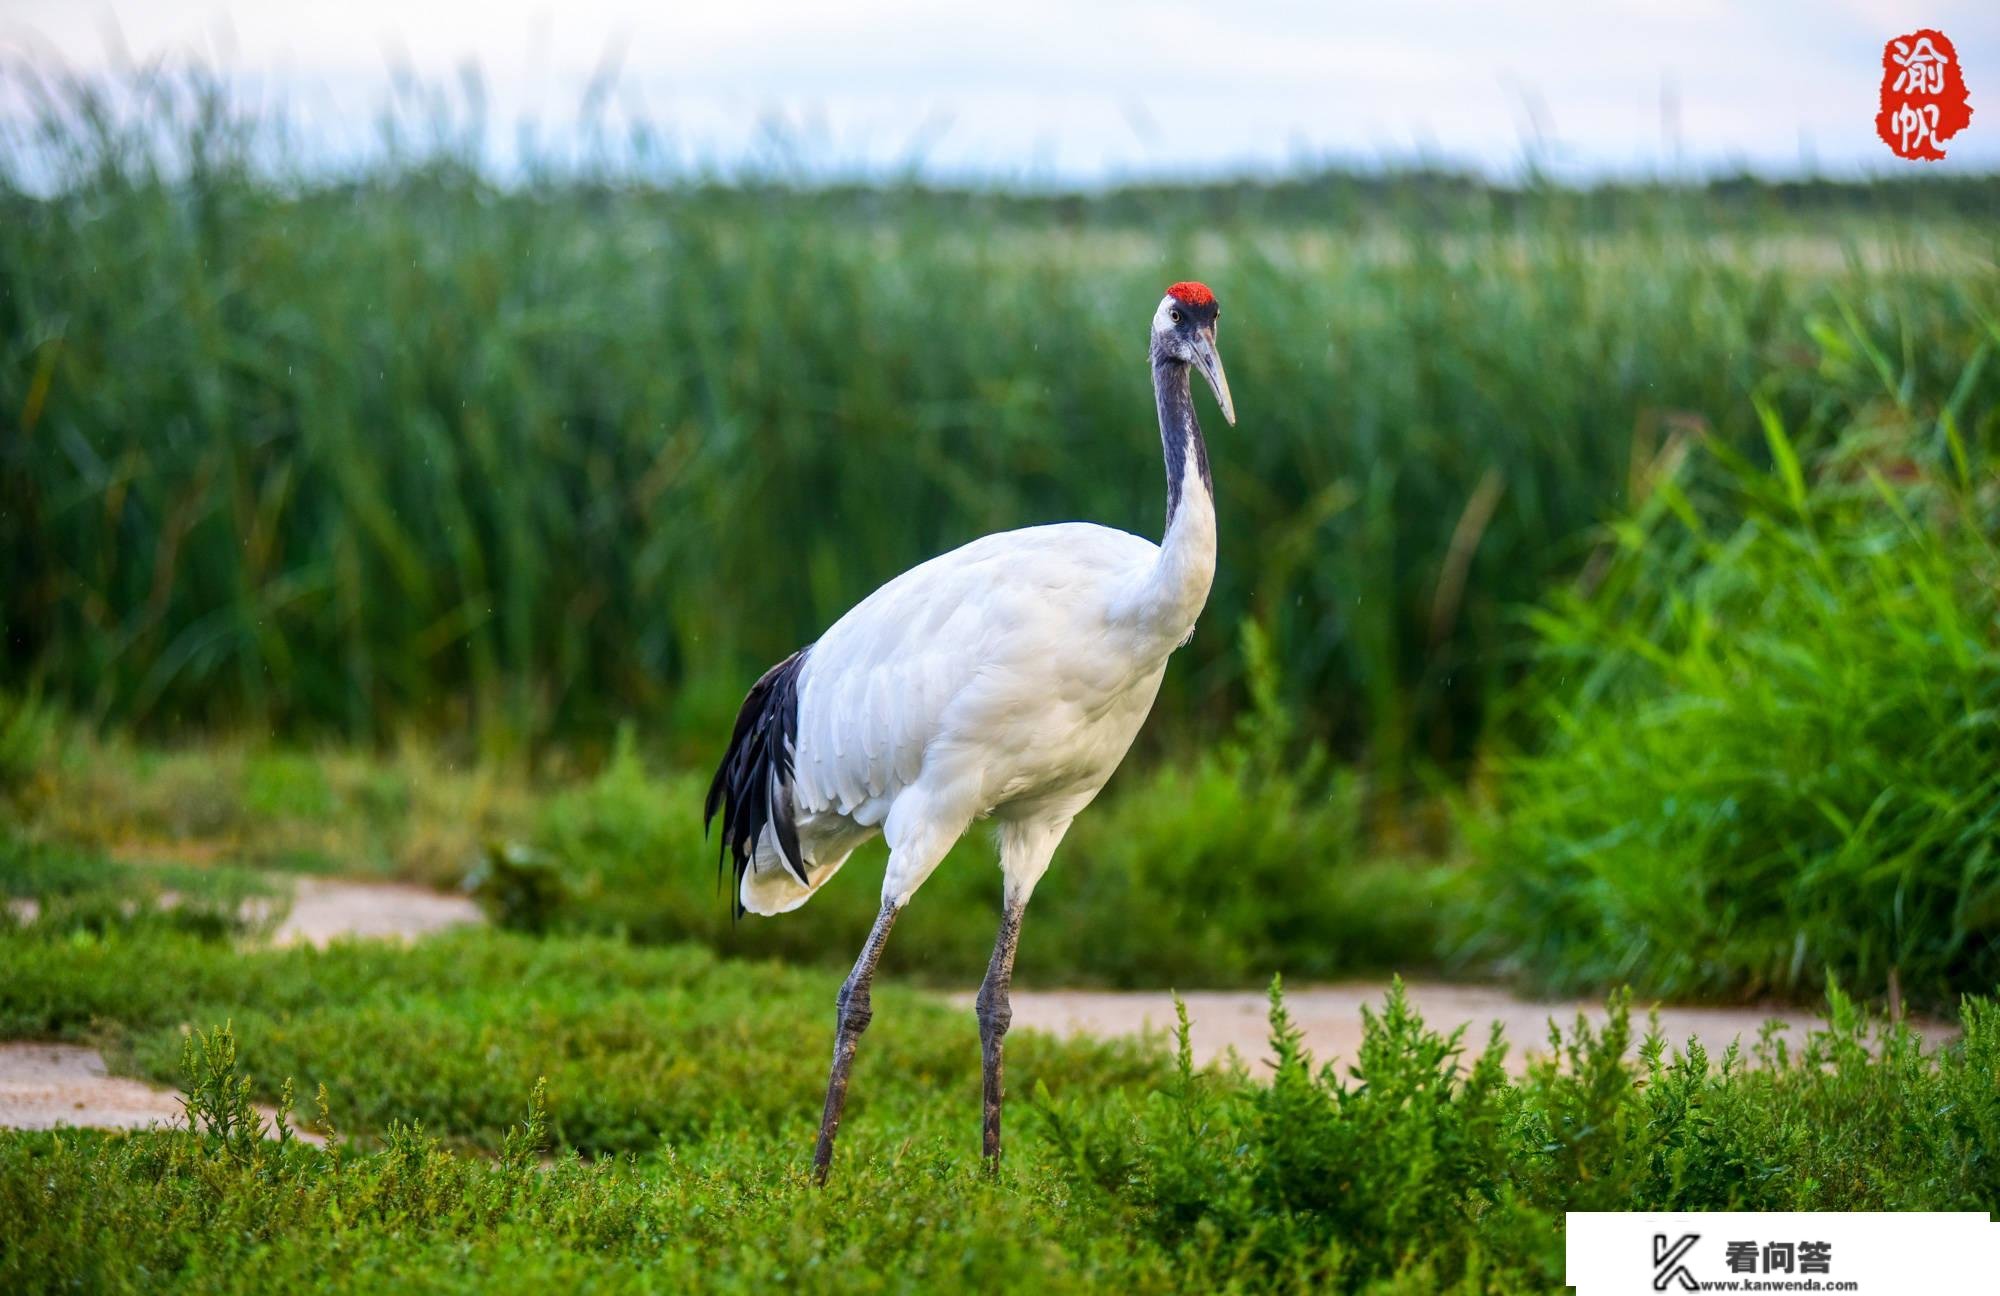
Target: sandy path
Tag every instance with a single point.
(43, 1086)
(325, 909)
(47, 1086)
(1330, 1017)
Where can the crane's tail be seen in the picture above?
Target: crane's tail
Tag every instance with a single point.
(753, 784)
(770, 887)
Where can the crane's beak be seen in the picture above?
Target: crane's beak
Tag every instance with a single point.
(1210, 365)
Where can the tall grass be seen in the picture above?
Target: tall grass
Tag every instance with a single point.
(1774, 730)
(403, 444)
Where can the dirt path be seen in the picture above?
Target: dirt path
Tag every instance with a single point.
(46, 1085)
(1330, 1017)
(43, 1086)
(325, 909)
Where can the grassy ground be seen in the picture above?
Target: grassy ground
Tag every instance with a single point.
(677, 1093)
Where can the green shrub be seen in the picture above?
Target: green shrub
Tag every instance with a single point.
(1773, 734)
(1420, 1169)
(215, 1097)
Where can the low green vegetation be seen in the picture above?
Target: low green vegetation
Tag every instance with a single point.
(687, 1083)
(68, 891)
(1417, 1167)
(636, 1045)
(580, 1112)
(417, 813)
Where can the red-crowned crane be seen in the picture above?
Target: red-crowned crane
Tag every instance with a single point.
(1006, 678)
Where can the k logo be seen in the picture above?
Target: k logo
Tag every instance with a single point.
(1667, 1264)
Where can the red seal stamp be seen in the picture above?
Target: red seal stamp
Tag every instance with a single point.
(1923, 95)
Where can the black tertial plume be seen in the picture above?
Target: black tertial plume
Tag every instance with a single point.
(753, 784)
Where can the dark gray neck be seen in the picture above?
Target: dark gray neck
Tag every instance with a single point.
(1180, 434)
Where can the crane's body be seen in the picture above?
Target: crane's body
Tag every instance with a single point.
(1006, 678)
(961, 646)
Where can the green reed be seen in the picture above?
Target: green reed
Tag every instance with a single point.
(415, 442)
(1772, 719)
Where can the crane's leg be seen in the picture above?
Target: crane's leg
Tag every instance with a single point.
(996, 1014)
(854, 1015)
(920, 828)
(1025, 849)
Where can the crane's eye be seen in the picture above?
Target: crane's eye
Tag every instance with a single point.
(1174, 315)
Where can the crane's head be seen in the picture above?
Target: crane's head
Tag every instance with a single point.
(1184, 333)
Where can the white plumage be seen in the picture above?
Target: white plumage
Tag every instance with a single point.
(1006, 678)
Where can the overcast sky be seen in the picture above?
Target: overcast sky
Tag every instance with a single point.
(1063, 92)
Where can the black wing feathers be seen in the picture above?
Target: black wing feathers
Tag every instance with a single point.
(753, 785)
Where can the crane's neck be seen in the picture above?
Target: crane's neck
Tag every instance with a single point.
(1180, 579)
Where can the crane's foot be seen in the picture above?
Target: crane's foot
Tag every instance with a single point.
(855, 1013)
(995, 1099)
